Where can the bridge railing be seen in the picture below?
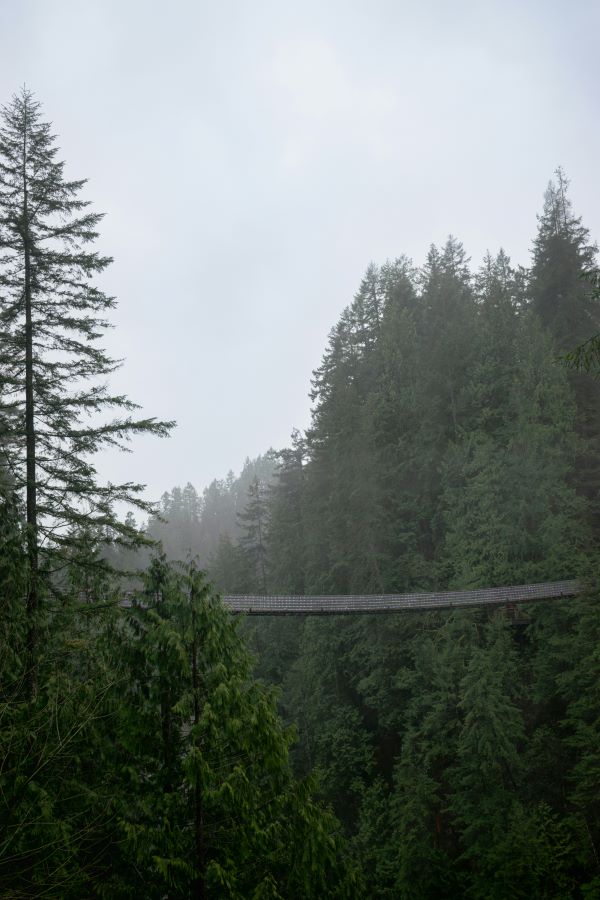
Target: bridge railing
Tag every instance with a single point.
(387, 603)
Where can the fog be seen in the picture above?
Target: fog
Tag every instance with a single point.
(252, 159)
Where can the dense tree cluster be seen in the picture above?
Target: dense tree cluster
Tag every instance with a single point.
(138, 755)
(152, 763)
(437, 754)
(449, 448)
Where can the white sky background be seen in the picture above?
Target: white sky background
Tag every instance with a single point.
(253, 157)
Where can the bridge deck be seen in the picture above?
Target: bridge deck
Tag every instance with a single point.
(387, 603)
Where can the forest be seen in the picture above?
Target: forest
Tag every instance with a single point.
(152, 744)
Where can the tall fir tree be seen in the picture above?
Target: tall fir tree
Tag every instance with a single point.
(253, 540)
(567, 305)
(562, 253)
(211, 807)
(51, 316)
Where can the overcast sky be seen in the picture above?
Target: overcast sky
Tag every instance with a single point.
(253, 157)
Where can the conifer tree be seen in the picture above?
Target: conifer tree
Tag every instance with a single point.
(51, 316)
(341, 554)
(230, 568)
(286, 527)
(511, 514)
(562, 254)
(12, 586)
(254, 523)
(568, 305)
(395, 413)
(211, 807)
(585, 356)
(514, 844)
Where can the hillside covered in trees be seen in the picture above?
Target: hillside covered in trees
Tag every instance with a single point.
(145, 750)
(451, 446)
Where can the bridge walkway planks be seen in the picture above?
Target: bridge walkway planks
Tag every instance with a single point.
(282, 605)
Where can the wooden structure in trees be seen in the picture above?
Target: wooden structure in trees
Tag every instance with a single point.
(335, 605)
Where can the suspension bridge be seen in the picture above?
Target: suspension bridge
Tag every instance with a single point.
(335, 605)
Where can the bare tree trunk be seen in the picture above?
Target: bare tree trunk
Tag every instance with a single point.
(32, 536)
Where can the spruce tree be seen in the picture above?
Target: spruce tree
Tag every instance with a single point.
(230, 568)
(286, 527)
(395, 416)
(511, 514)
(568, 305)
(51, 316)
(254, 523)
(340, 552)
(210, 807)
(562, 254)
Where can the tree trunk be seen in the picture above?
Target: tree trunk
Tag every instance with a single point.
(199, 884)
(32, 536)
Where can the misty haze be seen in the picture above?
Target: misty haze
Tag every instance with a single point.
(299, 450)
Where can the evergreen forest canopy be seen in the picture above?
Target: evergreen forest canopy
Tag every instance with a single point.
(450, 447)
(143, 748)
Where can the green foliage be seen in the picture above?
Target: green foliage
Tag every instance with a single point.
(254, 524)
(210, 799)
(562, 254)
(448, 449)
(12, 583)
(512, 514)
(55, 798)
(188, 524)
(151, 762)
(51, 313)
(138, 756)
(586, 356)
